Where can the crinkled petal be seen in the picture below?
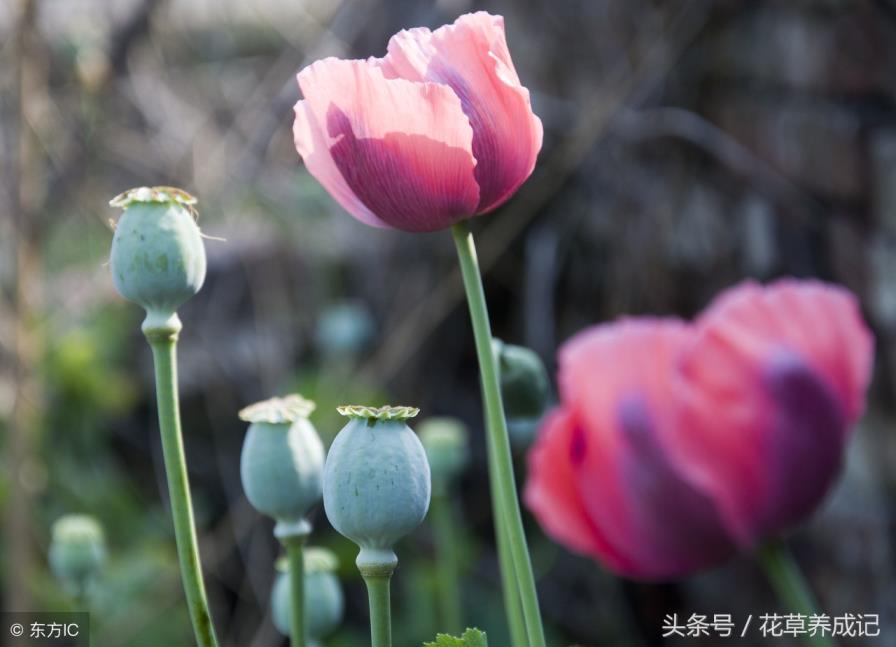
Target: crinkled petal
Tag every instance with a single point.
(393, 152)
(620, 380)
(821, 322)
(312, 144)
(772, 383)
(471, 56)
(552, 493)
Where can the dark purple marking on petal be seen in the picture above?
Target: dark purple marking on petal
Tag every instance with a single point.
(385, 175)
(577, 445)
(806, 442)
(492, 173)
(683, 522)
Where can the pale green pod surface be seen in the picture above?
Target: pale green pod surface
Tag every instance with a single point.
(376, 482)
(447, 448)
(77, 548)
(324, 602)
(281, 603)
(158, 258)
(281, 467)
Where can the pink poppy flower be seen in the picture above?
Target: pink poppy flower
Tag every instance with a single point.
(602, 479)
(772, 386)
(438, 130)
(677, 444)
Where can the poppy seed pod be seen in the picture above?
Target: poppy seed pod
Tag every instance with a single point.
(525, 386)
(157, 259)
(77, 550)
(282, 462)
(376, 482)
(324, 602)
(447, 448)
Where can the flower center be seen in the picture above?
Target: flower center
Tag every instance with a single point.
(377, 414)
(278, 410)
(154, 195)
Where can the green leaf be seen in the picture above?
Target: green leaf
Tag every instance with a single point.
(471, 638)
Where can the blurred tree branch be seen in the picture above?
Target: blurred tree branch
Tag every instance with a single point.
(70, 170)
(29, 185)
(25, 195)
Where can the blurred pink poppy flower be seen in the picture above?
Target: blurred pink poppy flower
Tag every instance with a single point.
(677, 444)
(771, 388)
(438, 130)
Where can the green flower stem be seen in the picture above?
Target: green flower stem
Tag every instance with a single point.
(791, 587)
(295, 554)
(447, 563)
(505, 505)
(380, 609)
(163, 342)
(515, 622)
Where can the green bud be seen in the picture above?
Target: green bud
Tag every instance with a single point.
(446, 441)
(376, 483)
(324, 604)
(158, 259)
(77, 550)
(282, 462)
(525, 386)
(344, 329)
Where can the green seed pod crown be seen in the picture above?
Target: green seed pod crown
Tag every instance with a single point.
(525, 385)
(77, 549)
(324, 604)
(282, 461)
(158, 259)
(447, 447)
(376, 482)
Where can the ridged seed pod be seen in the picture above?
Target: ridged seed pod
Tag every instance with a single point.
(376, 482)
(158, 258)
(282, 461)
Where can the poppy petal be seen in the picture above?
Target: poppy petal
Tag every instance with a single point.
(774, 379)
(402, 149)
(621, 381)
(471, 56)
(551, 491)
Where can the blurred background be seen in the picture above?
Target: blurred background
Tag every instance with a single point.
(687, 145)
